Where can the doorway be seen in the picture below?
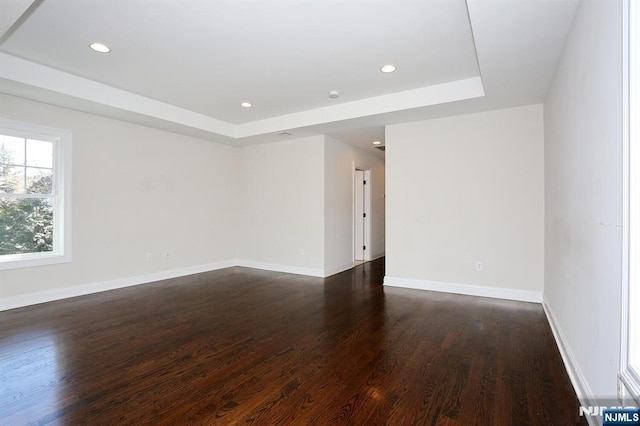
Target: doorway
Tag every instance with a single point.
(362, 215)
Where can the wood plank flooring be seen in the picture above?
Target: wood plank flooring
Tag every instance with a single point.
(240, 346)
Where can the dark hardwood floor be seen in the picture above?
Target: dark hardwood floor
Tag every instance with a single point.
(247, 346)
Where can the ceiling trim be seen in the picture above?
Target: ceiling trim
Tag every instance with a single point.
(32, 74)
(399, 101)
(39, 76)
(13, 14)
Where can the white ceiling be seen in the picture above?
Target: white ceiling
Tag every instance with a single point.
(185, 66)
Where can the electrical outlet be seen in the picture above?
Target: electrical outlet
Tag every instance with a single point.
(149, 257)
(479, 266)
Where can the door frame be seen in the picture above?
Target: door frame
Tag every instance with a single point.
(367, 209)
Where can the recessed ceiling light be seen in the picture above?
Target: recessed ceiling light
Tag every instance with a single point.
(246, 105)
(377, 142)
(333, 94)
(99, 47)
(388, 68)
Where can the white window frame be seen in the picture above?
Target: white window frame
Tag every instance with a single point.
(630, 327)
(62, 140)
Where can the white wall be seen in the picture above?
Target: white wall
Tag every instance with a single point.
(135, 191)
(296, 205)
(193, 205)
(583, 152)
(464, 189)
(339, 164)
(282, 205)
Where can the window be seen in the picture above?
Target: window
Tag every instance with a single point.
(630, 353)
(35, 195)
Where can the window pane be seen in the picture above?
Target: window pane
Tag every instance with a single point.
(11, 150)
(11, 180)
(39, 153)
(39, 181)
(26, 225)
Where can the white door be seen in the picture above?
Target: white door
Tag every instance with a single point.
(366, 222)
(359, 219)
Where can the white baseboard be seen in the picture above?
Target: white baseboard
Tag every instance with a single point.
(332, 271)
(579, 382)
(81, 290)
(467, 289)
(376, 257)
(282, 268)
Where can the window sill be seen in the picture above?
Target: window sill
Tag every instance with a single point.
(16, 261)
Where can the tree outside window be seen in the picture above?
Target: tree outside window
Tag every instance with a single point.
(26, 200)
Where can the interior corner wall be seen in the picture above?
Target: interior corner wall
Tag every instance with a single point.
(583, 198)
(464, 189)
(282, 205)
(149, 204)
(339, 162)
(135, 191)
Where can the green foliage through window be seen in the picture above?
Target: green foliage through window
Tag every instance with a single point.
(26, 200)
(26, 225)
